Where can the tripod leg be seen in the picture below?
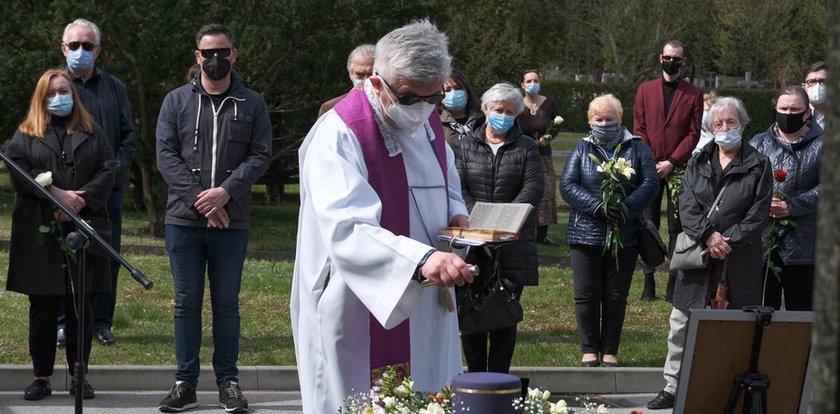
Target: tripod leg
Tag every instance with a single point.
(733, 397)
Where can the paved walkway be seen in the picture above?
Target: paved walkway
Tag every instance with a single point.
(274, 389)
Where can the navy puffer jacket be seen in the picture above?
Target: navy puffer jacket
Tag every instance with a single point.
(801, 189)
(580, 187)
(513, 175)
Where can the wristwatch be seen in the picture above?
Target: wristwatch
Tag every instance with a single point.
(418, 275)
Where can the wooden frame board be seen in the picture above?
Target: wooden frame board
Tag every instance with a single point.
(718, 347)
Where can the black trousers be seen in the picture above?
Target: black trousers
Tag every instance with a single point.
(502, 343)
(601, 292)
(797, 283)
(654, 213)
(43, 311)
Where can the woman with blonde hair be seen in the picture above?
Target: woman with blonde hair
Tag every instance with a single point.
(58, 139)
(601, 280)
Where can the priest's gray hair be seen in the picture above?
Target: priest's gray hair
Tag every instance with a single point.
(417, 51)
(729, 102)
(503, 92)
(86, 23)
(366, 50)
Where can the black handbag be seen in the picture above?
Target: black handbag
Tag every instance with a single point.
(488, 304)
(651, 247)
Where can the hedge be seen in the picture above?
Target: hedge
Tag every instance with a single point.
(573, 99)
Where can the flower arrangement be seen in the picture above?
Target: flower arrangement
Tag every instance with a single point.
(778, 227)
(536, 402)
(615, 170)
(391, 394)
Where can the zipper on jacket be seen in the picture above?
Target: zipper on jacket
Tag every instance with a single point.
(215, 146)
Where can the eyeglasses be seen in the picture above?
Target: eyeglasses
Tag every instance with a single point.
(675, 59)
(87, 46)
(811, 82)
(413, 99)
(208, 53)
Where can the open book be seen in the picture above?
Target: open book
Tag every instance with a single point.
(490, 222)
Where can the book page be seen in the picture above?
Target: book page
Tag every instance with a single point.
(499, 216)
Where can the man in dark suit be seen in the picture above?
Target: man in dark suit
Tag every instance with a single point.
(667, 114)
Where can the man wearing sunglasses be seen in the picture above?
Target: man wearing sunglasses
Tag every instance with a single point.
(106, 98)
(666, 115)
(213, 143)
(377, 182)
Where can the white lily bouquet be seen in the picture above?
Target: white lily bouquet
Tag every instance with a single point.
(537, 403)
(615, 170)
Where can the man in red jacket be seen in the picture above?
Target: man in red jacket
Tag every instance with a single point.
(667, 114)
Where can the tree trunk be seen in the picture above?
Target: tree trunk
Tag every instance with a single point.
(826, 286)
(155, 226)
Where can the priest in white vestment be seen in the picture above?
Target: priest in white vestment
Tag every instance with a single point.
(377, 182)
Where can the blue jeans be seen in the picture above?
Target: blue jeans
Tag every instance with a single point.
(222, 254)
(104, 303)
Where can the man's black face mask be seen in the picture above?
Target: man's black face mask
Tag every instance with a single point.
(216, 67)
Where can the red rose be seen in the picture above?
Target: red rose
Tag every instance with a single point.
(780, 175)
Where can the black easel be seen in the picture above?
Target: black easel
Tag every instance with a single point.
(753, 383)
(79, 239)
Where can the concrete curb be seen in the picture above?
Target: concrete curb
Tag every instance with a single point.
(284, 378)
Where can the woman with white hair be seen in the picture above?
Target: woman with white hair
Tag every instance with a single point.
(497, 163)
(740, 178)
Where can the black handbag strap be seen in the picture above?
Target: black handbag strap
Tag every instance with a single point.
(717, 200)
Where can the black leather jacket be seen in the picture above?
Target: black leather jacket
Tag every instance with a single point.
(801, 189)
(513, 175)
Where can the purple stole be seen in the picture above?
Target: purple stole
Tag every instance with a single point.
(387, 176)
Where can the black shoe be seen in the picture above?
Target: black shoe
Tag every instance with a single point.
(663, 400)
(60, 339)
(105, 336)
(231, 399)
(181, 397)
(39, 389)
(87, 390)
(606, 364)
(589, 364)
(649, 293)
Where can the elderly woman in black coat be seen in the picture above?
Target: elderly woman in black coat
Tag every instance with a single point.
(498, 164)
(602, 281)
(794, 144)
(58, 138)
(731, 234)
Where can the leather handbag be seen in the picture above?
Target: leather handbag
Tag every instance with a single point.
(651, 247)
(491, 302)
(687, 250)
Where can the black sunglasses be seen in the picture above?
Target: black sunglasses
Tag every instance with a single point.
(675, 59)
(87, 46)
(413, 99)
(208, 53)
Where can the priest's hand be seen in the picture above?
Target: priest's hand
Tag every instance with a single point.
(446, 269)
(460, 221)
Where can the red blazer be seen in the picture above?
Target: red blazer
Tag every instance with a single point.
(675, 136)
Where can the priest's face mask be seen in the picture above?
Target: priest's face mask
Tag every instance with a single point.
(407, 104)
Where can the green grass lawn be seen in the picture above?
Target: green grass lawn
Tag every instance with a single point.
(143, 320)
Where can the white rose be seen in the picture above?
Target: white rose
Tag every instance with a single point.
(558, 120)
(602, 409)
(435, 408)
(44, 178)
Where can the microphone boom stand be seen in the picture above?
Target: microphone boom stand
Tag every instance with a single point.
(78, 239)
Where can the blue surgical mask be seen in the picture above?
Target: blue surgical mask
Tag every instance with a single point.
(455, 100)
(532, 88)
(80, 59)
(499, 122)
(60, 105)
(729, 139)
(357, 82)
